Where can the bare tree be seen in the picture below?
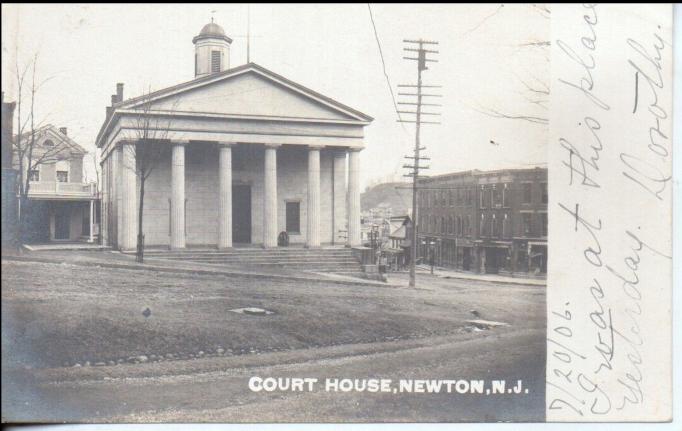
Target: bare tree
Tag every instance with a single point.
(535, 89)
(27, 151)
(152, 133)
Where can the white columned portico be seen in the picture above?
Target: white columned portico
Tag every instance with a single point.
(354, 198)
(270, 197)
(225, 195)
(313, 219)
(91, 237)
(104, 205)
(116, 213)
(128, 192)
(177, 218)
(339, 195)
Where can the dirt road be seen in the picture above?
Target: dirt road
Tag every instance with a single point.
(325, 332)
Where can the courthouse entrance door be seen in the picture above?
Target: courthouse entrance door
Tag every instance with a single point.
(241, 213)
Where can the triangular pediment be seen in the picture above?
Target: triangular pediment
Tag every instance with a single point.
(56, 138)
(250, 91)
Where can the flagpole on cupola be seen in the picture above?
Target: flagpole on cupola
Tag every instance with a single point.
(248, 33)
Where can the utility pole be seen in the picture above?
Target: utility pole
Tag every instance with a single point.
(418, 47)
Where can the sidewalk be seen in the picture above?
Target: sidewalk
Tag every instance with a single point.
(493, 278)
(117, 260)
(65, 246)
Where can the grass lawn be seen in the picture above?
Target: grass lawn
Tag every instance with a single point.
(54, 315)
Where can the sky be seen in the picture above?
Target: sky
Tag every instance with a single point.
(85, 49)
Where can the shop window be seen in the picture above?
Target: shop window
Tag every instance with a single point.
(526, 223)
(497, 196)
(543, 224)
(527, 193)
(543, 189)
(506, 226)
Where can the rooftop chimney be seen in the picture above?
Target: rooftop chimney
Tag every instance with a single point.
(113, 99)
(119, 91)
(63, 130)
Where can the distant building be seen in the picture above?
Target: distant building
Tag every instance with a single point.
(376, 221)
(9, 176)
(485, 222)
(400, 240)
(61, 206)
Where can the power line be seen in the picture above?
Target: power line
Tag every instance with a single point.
(383, 63)
(388, 80)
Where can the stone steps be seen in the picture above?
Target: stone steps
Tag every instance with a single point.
(262, 258)
(325, 260)
(248, 252)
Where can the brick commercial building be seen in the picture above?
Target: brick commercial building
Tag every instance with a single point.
(247, 155)
(485, 222)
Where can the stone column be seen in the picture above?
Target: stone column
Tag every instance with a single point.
(354, 198)
(177, 218)
(270, 197)
(313, 219)
(339, 190)
(104, 204)
(116, 195)
(91, 238)
(225, 195)
(128, 192)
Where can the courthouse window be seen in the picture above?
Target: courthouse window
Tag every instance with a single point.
(293, 217)
(34, 175)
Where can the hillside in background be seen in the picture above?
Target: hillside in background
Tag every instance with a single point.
(386, 194)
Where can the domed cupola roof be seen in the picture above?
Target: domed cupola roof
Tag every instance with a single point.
(212, 31)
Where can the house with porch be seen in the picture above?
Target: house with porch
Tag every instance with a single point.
(62, 206)
(245, 155)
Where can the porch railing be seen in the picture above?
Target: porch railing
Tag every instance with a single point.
(56, 188)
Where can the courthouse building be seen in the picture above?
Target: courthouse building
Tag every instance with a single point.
(485, 221)
(246, 155)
